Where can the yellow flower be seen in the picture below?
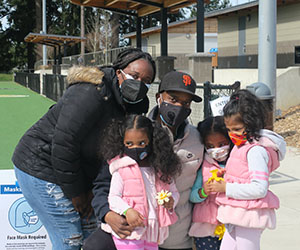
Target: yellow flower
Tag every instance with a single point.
(220, 230)
(214, 176)
(163, 196)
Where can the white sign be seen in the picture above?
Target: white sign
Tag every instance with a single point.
(218, 104)
(20, 227)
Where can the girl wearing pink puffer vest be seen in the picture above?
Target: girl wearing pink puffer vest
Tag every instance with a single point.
(142, 164)
(217, 144)
(246, 205)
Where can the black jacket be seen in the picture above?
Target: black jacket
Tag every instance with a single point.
(62, 147)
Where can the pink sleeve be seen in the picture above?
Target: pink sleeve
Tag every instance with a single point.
(116, 203)
(175, 193)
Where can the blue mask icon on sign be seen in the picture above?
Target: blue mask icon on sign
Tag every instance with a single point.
(26, 217)
(30, 218)
(23, 218)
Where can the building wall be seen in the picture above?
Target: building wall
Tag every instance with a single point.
(182, 40)
(288, 36)
(180, 45)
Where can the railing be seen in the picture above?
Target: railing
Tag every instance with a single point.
(28, 80)
(213, 91)
(53, 87)
(98, 58)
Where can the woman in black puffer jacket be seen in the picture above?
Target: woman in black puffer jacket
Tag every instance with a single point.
(56, 159)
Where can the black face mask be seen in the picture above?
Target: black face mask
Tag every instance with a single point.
(138, 108)
(133, 91)
(137, 154)
(173, 115)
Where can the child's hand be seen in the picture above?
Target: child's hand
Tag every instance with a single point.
(207, 188)
(134, 218)
(217, 186)
(221, 172)
(170, 204)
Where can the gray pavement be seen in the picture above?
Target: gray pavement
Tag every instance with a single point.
(285, 183)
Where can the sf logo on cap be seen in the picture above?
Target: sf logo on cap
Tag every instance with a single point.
(187, 80)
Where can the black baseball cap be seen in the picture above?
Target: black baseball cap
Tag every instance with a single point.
(179, 81)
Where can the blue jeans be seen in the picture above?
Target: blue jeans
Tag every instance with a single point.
(63, 223)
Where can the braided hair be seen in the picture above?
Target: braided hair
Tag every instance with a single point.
(130, 55)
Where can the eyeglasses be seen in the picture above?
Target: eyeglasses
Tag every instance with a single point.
(128, 76)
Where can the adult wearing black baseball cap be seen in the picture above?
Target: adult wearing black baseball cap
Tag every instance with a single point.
(176, 92)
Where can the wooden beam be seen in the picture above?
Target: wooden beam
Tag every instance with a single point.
(133, 4)
(147, 10)
(109, 3)
(90, 3)
(170, 3)
(179, 6)
(154, 3)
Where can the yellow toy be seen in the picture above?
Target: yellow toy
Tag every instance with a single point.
(214, 176)
(220, 230)
(163, 196)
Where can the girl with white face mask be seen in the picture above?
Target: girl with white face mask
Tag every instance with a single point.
(217, 148)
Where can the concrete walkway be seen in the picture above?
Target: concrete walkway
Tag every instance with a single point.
(285, 183)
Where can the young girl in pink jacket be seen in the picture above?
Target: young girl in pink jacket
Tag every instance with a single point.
(142, 164)
(246, 205)
(217, 144)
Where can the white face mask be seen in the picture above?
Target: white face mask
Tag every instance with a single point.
(219, 154)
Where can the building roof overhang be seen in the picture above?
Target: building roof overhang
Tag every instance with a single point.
(53, 40)
(137, 7)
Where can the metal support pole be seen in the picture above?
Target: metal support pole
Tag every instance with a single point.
(138, 33)
(59, 55)
(55, 64)
(207, 98)
(164, 32)
(200, 26)
(44, 32)
(82, 31)
(267, 44)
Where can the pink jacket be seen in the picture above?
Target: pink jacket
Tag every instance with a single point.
(237, 171)
(206, 211)
(136, 197)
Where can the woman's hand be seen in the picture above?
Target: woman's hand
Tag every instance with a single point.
(90, 209)
(170, 204)
(217, 186)
(118, 224)
(82, 204)
(134, 218)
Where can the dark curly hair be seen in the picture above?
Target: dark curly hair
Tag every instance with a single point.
(212, 125)
(250, 110)
(130, 55)
(162, 157)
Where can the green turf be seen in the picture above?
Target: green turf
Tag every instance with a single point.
(6, 77)
(17, 115)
